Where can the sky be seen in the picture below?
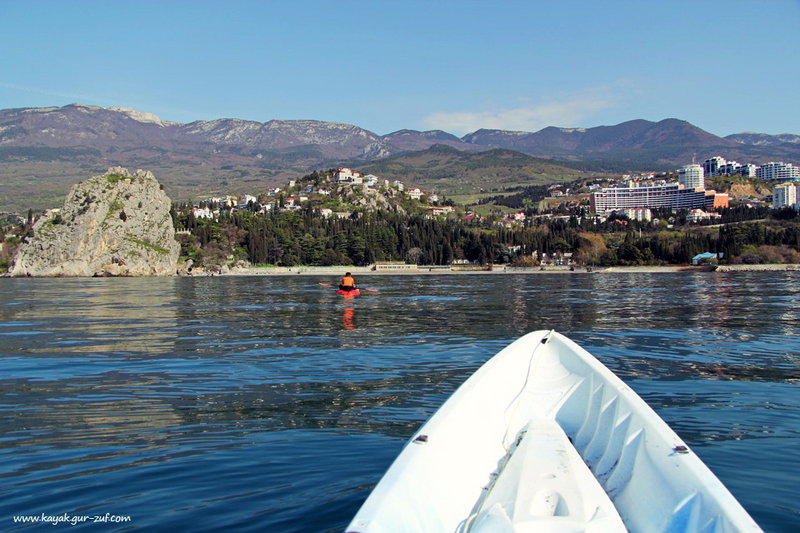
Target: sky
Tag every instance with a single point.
(726, 66)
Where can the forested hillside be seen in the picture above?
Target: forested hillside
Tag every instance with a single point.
(305, 238)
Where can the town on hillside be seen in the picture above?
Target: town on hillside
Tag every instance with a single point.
(335, 193)
(635, 197)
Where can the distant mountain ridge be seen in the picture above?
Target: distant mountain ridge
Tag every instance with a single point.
(117, 128)
(444, 169)
(81, 125)
(207, 156)
(667, 142)
(762, 139)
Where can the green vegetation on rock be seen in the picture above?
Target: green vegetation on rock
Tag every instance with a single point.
(148, 245)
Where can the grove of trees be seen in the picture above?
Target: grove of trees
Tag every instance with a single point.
(304, 237)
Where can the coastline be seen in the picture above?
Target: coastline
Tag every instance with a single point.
(498, 270)
(412, 270)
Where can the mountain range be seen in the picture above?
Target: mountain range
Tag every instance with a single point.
(455, 173)
(44, 150)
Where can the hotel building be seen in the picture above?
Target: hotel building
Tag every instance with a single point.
(692, 177)
(778, 172)
(672, 196)
(784, 196)
(714, 166)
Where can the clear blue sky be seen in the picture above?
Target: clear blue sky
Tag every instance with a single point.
(724, 65)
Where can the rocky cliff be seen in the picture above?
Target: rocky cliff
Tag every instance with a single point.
(116, 224)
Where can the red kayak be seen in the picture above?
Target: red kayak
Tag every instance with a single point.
(352, 292)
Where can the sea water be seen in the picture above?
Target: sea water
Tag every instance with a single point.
(274, 404)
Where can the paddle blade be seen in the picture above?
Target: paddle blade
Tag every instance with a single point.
(325, 284)
(371, 290)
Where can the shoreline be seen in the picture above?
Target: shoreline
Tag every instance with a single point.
(443, 271)
(411, 270)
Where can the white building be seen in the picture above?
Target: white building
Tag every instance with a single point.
(642, 214)
(698, 215)
(398, 184)
(784, 196)
(714, 166)
(346, 175)
(673, 196)
(778, 172)
(224, 201)
(414, 193)
(342, 174)
(692, 177)
(748, 170)
(247, 198)
(442, 210)
(202, 212)
(728, 169)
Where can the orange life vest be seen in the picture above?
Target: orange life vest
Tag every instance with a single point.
(348, 281)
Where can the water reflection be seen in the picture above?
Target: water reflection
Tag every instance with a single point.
(86, 316)
(349, 317)
(105, 379)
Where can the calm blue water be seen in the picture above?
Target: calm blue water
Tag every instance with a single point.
(272, 404)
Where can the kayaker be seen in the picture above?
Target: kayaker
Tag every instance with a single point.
(348, 283)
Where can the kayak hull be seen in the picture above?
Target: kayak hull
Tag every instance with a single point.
(543, 437)
(354, 292)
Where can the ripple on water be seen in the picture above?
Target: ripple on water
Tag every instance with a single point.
(271, 404)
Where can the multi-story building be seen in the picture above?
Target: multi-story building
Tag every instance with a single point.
(246, 199)
(718, 166)
(713, 166)
(784, 196)
(692, 177)
(698, 215)
(778, 172)
(346, 175)
(728, 169)
(747, 170)
(642, 214)
(671, 196)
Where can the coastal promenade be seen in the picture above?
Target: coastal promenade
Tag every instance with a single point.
(499, 269)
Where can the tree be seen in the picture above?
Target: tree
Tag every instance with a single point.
(413, 255)
(628, 253)
(591, 248)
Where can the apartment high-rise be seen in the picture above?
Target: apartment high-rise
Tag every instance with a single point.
(778, 172)
(784, 196)
(692, 177)
(714, 166)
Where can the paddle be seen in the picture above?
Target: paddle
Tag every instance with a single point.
(330, 285)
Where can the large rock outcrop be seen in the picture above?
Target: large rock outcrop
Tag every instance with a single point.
(116, 224)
